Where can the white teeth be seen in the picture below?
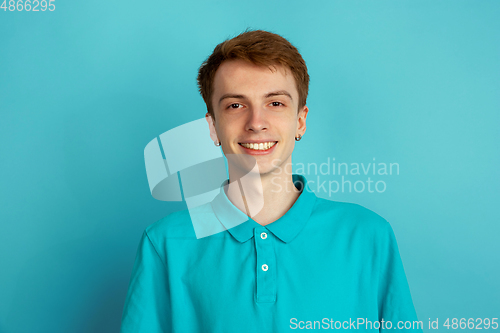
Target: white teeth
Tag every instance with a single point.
(259, 146)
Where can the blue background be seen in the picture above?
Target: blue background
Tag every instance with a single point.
(83, 89)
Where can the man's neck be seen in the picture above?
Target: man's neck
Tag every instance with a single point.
(266, 197)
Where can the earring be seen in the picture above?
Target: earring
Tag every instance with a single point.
(298, 139)
(217, 144)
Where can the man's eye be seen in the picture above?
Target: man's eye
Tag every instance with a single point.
(277, 104)
(234, 106)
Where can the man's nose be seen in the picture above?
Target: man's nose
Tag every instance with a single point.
(257, 120)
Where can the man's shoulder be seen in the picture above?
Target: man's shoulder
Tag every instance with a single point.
(177, 224)
(349, 215)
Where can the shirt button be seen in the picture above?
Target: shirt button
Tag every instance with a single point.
(264, 267)
(263, 235)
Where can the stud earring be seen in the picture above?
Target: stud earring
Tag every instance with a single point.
(298, 139)
(217, 144)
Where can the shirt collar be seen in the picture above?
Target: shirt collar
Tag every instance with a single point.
(286, 228)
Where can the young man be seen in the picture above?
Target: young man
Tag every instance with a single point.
(297, 261)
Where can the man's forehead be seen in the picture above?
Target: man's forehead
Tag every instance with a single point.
(234, 74)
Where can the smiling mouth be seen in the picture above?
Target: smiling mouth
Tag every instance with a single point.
(259, 146)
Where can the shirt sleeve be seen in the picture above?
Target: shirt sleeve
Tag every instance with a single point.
(147, 306)
(395, 302)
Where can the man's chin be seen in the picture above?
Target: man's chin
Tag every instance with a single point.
(242, 164)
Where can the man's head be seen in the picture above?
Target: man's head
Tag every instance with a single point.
(261, 48)
(255, 87)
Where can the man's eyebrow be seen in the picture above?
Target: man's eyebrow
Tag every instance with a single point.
(279, 93)
(230, 96)
(271, 94)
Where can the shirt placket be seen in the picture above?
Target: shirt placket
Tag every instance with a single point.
(266, 266)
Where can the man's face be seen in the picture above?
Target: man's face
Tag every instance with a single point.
(256, 113)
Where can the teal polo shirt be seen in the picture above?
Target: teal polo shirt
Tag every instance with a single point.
(323, 265)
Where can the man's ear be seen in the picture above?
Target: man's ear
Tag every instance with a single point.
(301, 121)
(211, 125)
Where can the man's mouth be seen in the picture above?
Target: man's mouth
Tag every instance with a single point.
(259, 146)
